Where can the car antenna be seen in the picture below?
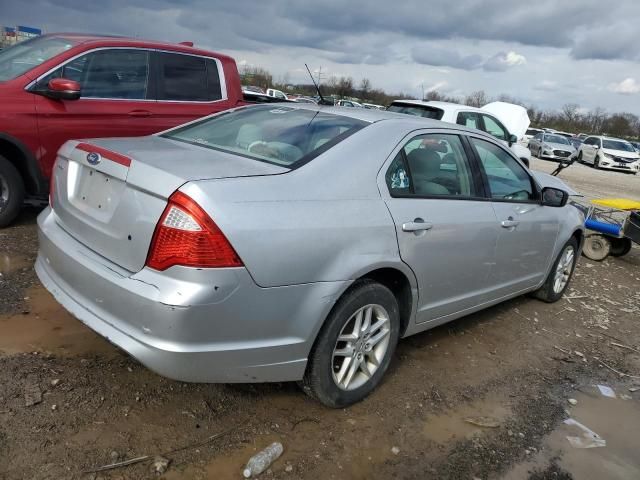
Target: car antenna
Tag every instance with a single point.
(322, 100)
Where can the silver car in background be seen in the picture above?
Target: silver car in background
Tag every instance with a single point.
(294, 242)
(551, 146)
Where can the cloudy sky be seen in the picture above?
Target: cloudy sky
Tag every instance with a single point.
(548, 52)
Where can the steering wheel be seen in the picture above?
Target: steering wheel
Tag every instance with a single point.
(256, 144)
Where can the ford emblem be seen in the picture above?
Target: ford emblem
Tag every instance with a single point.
(93, 158)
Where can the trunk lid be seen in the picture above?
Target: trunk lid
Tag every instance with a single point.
(110, 193)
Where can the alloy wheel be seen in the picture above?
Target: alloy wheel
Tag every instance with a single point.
(361, 347)
(563, 269)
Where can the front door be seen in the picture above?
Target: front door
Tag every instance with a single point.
(528, 231)
(446, 230)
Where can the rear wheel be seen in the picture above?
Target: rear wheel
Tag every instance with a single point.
(11, 192)
(620, 246)
(596, 247)
(560, 275)
(355, 346)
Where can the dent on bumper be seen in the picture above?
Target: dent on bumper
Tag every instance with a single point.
(219, 327)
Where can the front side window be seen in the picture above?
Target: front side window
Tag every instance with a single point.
(110, 74)
(285, 136)
(433, 165)
(469, 119)
(188, 78)
(507, 179)
(22, 57)
(494, 127)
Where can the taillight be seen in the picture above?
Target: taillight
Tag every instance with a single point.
(187, 236)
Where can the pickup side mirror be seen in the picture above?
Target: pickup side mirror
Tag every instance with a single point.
(554, 197)
(512, 139)
(62, 89)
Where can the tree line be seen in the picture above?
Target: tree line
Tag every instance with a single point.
(570, 118)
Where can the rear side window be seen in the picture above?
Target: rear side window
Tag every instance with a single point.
(469, 119)
(275, 134)
(424, 111)
(188, 78)
(507, 179)
(433, 165)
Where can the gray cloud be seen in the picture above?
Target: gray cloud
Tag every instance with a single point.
(439, 57)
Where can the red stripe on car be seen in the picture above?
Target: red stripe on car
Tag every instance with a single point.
(108, 154)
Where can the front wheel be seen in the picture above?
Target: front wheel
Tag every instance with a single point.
(560, 275)
(11, 192)
(355, 346)
(596, 162)
(596, 247)
(580, 157)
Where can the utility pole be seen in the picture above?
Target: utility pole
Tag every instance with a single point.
(320, 75)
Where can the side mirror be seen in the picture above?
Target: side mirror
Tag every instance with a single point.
(554, 197)
(596, 146)
(63, 89)
(512, 139)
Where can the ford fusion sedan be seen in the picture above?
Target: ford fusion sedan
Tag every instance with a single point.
(609, 153)
(296, 243)
(551, 146)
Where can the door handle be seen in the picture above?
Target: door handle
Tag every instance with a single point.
(509, 223)
(140, 113)
(418, 225)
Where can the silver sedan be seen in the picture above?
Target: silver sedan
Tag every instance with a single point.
(294, 242)
(551, 146)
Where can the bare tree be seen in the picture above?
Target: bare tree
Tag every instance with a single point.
(476, 99)
(365, 88)
(570, 112)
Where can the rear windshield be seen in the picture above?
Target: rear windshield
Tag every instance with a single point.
(417, 110)
(277, 134)
(617, 145)
(22, 57)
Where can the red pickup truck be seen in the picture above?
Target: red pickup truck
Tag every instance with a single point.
(62, 86)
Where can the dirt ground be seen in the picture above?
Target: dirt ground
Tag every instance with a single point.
(485, 397)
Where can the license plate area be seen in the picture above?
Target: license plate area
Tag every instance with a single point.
(94, 192)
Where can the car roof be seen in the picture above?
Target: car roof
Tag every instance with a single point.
(605, 137)
(440, 105)
(122, 41)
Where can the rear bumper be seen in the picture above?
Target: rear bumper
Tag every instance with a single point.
(198, 325)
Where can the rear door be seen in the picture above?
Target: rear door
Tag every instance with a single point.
(187, 87)
(116, 100)
(528, 231)
(447, 230)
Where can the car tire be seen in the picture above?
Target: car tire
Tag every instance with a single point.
(329, 377)
(596, 247)
(620, 246)
(596, 163)
(580, 157)
(560, 275)
(11, 192)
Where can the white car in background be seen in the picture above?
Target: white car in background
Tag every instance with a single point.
(349, 103)
(609, 153)
(272, 92)
(505, 121)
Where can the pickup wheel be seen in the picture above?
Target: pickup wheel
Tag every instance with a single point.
(354, 347)
(560, 275)
(11, 192)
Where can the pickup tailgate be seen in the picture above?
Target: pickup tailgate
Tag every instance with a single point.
(110, 193)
